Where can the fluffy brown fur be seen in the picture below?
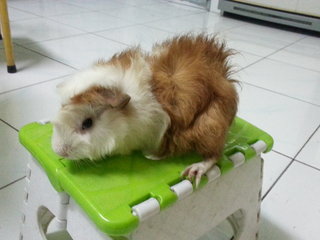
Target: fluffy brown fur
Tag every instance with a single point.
(191, 80)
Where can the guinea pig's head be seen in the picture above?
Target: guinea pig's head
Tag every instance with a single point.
(88, 124)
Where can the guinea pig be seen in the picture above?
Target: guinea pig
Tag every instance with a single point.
(176, 99)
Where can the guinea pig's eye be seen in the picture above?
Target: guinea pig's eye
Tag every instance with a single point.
(86, 124)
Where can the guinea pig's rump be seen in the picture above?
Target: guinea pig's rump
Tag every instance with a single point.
(191, 80)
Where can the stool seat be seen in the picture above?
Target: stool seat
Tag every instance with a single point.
(108, 190)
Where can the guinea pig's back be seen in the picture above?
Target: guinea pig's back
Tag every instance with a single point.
(188, 73)
(191, 79)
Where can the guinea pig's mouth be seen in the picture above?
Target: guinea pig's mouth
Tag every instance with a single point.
(64, 151)
(70, 152)
(68, 156)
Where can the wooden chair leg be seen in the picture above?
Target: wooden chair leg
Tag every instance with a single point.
(5, 29)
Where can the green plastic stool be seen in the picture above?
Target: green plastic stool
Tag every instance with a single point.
(130, 197)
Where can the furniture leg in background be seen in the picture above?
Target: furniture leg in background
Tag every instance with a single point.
(6, 36)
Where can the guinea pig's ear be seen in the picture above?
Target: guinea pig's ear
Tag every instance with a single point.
(114, 97)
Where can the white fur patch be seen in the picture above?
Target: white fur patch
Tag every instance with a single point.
(114, 132)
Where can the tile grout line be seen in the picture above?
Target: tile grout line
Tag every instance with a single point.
(9, 125)
(293, 65)
(94, 33)
(15, 8)
(50, 39)
(119, 18)
(270, 54)
(71, 36)
(86, 8)
(281, 94)
(41, 54)
(112, 40)
(42, 16)
(111, 29)
(161, 16)
(85, 31)
(168, 18)
(48, 18)
(130, 24)
(35, 84)
(282, 154)
(291, 162)
(276, 60)
(25, 45)
(269, 90)
(309, 138)
(306, 164)
(11, 183)
(184, 4)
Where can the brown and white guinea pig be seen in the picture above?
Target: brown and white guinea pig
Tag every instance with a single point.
(176, 99)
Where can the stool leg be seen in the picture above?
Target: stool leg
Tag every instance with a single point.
(5, 28)
(235, 222)
(245, 227)
(44, 215)
(245, 222)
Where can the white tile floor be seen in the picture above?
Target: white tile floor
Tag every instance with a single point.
(280, 70)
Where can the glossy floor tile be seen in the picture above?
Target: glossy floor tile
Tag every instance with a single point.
(172, 9)
(16, 15)
(291, 211)
(40, 29)
(207, 22)
(10, 210)
(92, 21)
(304, 53)
(135, 14)
(132, 36)
(274, 165)
(97, 5)
(30, 104)
(32, 68)
(279, 76)
(46, 8)
(302, 84)
(259, 31)
(241, 60)
(13, 156)
(259, 40)
(142, 2)
(78, 51)
(291, 122)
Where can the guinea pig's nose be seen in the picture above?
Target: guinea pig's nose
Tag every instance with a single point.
(63, 150)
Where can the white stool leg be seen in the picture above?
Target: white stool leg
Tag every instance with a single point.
(42, 206)
(196, 215)
(245, 222)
